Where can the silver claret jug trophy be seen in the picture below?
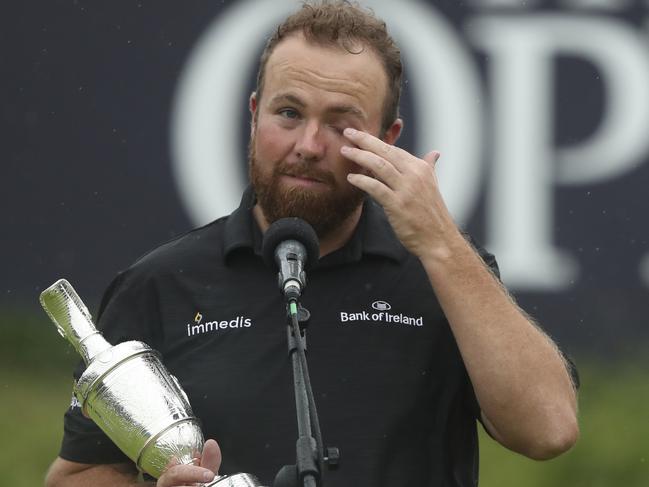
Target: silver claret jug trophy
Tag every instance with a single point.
(129, 394)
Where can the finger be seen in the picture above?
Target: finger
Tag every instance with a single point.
(184, 475)
(432, 157)
(378, 166)
(375, 188)
(398, 157)
(211, 456)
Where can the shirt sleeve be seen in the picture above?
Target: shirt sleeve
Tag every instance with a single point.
(487, 257)
(124, 314)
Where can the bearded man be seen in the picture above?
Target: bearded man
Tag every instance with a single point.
(400, 391)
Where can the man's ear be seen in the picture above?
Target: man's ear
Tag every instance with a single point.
(252, 106)
(393, 132)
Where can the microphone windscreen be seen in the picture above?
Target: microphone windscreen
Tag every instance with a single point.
(290, 229)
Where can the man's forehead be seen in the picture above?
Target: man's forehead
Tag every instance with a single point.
(358, 74)
(299, 40)
(296, 48)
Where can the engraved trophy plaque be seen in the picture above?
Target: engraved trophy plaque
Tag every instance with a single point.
(129, 394)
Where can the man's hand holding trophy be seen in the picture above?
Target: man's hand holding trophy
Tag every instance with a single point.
(130, 395)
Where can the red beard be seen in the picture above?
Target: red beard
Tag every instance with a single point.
(325, 210)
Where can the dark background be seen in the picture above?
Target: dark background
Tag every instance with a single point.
(88, 186)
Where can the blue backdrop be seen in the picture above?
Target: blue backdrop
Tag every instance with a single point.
(126, 123)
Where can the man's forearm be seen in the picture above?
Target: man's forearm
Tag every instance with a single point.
(64, 473)
(519, 376)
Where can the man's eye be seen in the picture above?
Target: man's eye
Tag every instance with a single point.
(289, 113)
(339, 129)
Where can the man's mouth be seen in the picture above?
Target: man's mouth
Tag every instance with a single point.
(304, 179)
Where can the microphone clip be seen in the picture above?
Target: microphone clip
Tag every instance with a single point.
(291, 277)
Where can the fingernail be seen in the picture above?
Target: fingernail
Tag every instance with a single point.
(207, 476)
(349, 131)
(345, 149)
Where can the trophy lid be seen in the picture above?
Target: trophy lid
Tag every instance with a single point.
(72, 319)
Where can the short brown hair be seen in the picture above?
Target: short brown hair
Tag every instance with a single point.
(344, 24)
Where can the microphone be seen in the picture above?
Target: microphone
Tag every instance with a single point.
(291, 245)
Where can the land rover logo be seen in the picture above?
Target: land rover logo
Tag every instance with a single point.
(210, 101)
(381, 306)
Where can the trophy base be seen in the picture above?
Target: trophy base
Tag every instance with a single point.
(236, 480)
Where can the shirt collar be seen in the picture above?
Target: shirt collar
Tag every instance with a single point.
(241, 229)
(378, 237)
(373, 235)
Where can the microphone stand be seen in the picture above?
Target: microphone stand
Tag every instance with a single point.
(310, 454)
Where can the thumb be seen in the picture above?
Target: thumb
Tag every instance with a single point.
(432, 157)
(211, 457)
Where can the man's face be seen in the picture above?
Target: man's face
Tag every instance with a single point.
(311, 94)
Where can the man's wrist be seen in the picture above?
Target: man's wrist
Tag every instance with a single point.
(446, 248)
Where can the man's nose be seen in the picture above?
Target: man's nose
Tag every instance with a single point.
(310, 144)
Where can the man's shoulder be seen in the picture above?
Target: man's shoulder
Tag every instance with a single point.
(190, 253)
(188, 249)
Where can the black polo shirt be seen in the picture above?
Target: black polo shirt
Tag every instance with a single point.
(391, 389)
